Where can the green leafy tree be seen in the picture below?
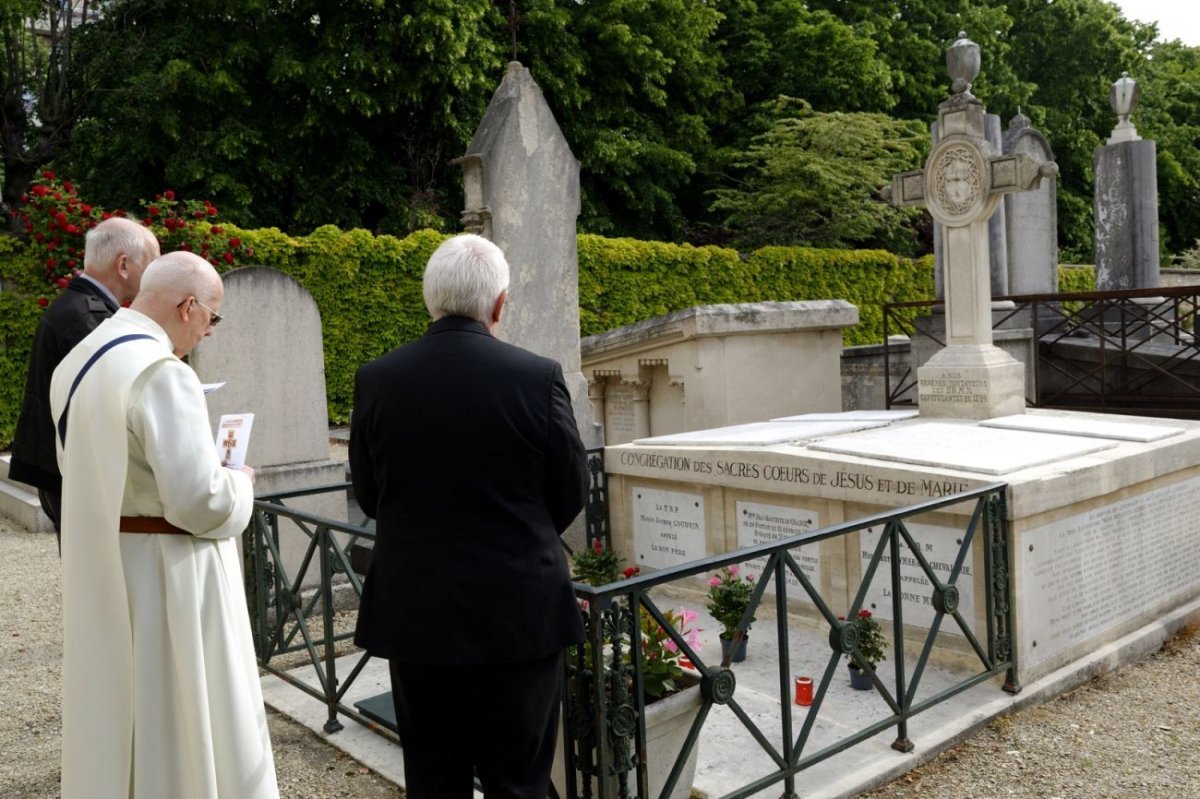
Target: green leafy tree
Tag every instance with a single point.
(775, 47)
(40, 92)
(812, 179)
(1071, 51)
(1169, 113)
(288, 113)
(912, 36)
(635, 86)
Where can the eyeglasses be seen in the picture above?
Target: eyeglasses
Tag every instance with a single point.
(215, 318)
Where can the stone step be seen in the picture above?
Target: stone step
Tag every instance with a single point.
(19, 502)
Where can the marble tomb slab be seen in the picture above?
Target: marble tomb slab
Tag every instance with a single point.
(758, 434)
(895, 415)
(966, 447)
(1084, 426)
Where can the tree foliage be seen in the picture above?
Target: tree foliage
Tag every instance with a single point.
(41, 94)
(288, 113)
(811, 179)
(297, 113)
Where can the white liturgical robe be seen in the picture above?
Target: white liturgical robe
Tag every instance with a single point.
(161, 694)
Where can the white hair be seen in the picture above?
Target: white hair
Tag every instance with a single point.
(179, 275)
(111, 239)
(464, 277)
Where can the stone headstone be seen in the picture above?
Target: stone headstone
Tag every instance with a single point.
(521, 185)
(1031, 217)
(962, 184)
(269, 353)
(1126, 202)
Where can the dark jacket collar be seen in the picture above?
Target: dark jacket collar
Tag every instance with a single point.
(85, 286)
(459, 323)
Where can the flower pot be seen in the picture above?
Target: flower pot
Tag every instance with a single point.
(668, 721)
(739, 652)
(859, 679)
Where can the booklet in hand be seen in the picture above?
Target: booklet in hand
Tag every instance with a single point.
(233, 436)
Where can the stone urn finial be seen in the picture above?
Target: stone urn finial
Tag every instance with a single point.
(963, 61)
(1123, 96)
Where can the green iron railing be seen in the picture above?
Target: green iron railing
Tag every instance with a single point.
(1132, 351)
(604, 731)
(281, 615)
(606, 708)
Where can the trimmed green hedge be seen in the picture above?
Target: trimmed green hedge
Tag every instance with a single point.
(622, 281)
(368, 289)
(19, 314)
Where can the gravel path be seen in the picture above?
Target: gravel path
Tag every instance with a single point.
(1128, 734)
(30, 725)
(1132, 733)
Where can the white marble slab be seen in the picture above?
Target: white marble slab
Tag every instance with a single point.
(894, 415)
(964, 446)
(759, 434)
(940, 547)
(760, 523)
(1089, 572)
(668, 527)
(1088, 426)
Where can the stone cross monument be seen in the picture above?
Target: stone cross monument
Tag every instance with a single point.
(962, 184)
(521, 186)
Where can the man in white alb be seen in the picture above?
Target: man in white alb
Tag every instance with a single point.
(161, 694)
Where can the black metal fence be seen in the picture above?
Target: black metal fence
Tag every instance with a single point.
(604, 735)
(283, 611)
(1130, 351)
(606, 702)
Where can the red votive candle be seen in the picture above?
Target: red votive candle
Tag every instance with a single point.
(804, 691)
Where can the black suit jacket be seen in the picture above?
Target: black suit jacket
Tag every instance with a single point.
(465, 451)
(76, 312)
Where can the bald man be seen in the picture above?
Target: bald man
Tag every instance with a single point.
(115, 253)
(161, 696)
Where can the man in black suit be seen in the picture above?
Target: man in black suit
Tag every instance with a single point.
(115, 253)
(465, 451)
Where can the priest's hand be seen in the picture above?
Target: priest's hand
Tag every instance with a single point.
(249, 473)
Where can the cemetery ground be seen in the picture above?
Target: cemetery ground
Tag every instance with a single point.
(1133, 732)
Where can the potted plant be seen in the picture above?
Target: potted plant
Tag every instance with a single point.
(598, 565)
(728, 597)
(671, 691)
(870, 647)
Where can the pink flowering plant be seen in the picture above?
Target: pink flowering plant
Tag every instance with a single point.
(728, 597)
(662, 659)
(661, 656)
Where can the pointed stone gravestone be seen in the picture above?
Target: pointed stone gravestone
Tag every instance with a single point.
(521, 183)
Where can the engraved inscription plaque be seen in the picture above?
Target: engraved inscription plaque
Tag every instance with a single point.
(618, 413)
(758, 523)
(940, 547)
(668, 527)
(1091, 571)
